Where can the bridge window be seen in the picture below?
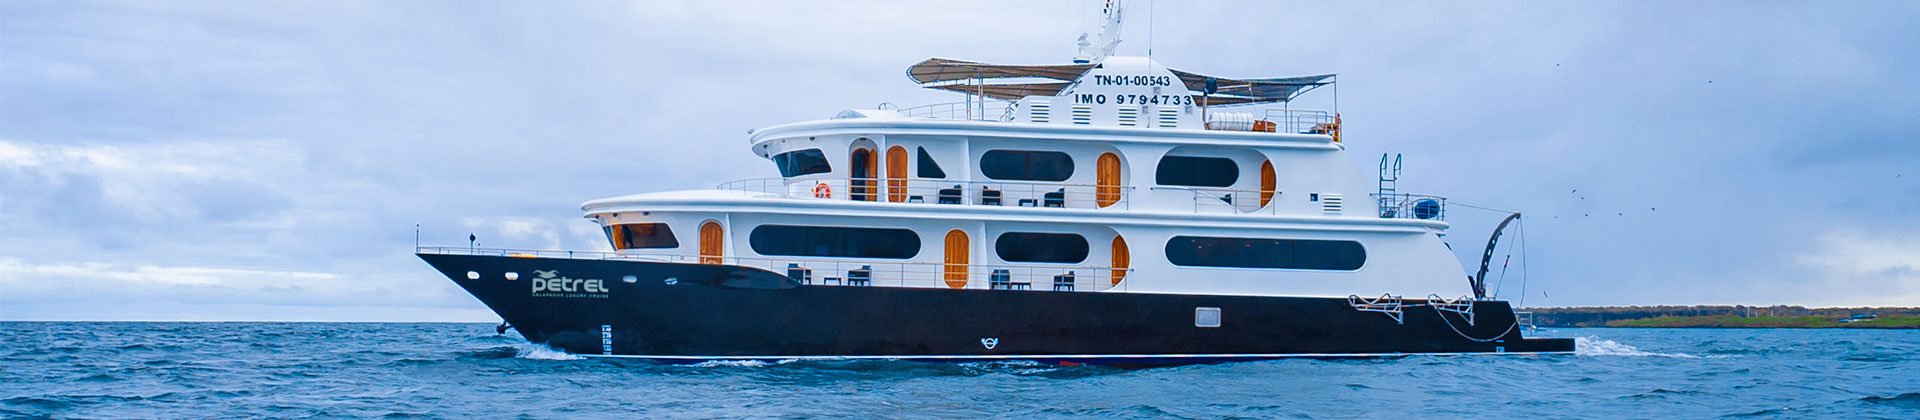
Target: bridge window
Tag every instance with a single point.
(1194, 171)
(928, 168)
(802, 162)
(830, 241)
(1026, 165)
(1301, 254)
(1041, 247)
(641, 236)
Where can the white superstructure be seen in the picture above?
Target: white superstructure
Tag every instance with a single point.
(1118, 175)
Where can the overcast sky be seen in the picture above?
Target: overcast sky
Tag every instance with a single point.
(269, 160)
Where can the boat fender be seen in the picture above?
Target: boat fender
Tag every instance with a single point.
(821, 190)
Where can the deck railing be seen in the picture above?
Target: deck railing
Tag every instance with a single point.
(1301, 121)
(934, 191)
(991, 110)
(1227, 200)
(1412, 206)
(855, 272)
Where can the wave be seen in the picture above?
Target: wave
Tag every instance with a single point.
(1909, 400)
(540, 352)
(1595, 346)
(749, 363)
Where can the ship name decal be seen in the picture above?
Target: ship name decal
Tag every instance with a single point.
(549, 283)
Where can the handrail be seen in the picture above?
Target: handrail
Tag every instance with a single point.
(936, 191)
(970, 111)
(879, 272)
(1301, 121)
(1209, 199)
(1408, 206)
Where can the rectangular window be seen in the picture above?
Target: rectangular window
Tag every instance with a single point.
(802, 162)
(1301, 254)
(1205, 317)
(831, 241)
(641, 236)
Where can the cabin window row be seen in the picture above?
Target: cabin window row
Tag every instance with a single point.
(1032, 165)
(1035, 165)
(1016, 247)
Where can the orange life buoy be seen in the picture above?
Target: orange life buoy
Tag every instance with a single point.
(821, 190)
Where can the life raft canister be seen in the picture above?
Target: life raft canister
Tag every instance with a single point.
(821, 190)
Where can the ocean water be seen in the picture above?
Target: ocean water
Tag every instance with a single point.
(175, 370)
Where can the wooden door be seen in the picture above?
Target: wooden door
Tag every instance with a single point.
(861, 183)
(712, 237)
(896, 174)
(1106, 190)
(957, 253)
(1267, 182)
(1121, 259)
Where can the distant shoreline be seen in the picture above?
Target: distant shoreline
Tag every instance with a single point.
(1807, 322)
(1737, 316)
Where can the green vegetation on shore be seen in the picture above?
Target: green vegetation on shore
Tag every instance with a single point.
(1729, 321)
(1715, 316)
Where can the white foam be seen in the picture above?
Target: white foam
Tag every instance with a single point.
(540, 352)
(732, 363)
(1594, 346)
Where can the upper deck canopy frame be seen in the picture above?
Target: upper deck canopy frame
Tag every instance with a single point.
(1013, 82)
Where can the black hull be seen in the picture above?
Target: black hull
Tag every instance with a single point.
(710, 312)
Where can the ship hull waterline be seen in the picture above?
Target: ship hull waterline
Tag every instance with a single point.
(683, 312)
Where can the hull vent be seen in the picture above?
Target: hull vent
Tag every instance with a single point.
(1330, 203)
(1083, 114)
(1041, 112)
(1169, 117)
(1129, 117)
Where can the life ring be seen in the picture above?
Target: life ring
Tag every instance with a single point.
(821, 190)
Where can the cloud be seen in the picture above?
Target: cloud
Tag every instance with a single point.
(1854, 267)
(184, 139)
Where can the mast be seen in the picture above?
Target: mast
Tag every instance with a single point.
(1094, 50)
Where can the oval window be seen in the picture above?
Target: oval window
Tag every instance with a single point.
(1041, 247)
(833, 241)
(1194, 171)
(1026, 165)
(1302, 254)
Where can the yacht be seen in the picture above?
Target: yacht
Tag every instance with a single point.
(1108, 210)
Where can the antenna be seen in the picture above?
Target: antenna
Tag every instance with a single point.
(1091, 50)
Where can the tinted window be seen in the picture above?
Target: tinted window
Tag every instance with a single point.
(929, 168)
(828, 241)
(1041, 247)
(641, 235)
(802, 162)
(1304, 254)
(1196, 171)
(1025, 165)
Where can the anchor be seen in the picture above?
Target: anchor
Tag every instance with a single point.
(502, 328)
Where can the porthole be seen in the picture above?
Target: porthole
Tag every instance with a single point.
(630, 279)
(511, 276)
(473, 275)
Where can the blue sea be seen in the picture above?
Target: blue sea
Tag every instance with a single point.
(179, 370)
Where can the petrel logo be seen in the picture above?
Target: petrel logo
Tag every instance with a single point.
(989, 343)
(549, 283)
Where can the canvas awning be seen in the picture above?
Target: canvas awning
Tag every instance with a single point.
(1012, 82)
